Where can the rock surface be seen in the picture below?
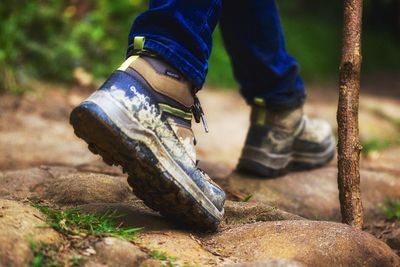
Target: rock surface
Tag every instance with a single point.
(269, 263)
(151, 263)
(309, 242)
(394, 240)
(30, 183)
(314, 194)
(294, 243)
(245, 235)
(264, 231)
(82, 188)
(115, 252)
(20, 226)
(183, 247)
(237, 213)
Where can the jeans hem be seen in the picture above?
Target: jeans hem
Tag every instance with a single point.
(272, 104)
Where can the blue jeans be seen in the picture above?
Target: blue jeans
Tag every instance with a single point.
(180, 31)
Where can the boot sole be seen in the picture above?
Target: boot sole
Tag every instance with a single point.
(175, 196)
(295, 162)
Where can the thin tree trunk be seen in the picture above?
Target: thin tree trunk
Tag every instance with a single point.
(347, 117)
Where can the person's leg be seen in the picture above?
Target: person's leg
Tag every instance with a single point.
(140, 118)
(280, 137)
(180, 32)
(254, 39)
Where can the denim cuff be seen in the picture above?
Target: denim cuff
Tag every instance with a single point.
(280, 104)
(291, 104)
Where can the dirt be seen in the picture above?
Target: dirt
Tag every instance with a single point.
(282, 224)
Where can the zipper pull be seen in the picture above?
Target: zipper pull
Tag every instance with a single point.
(198, 113)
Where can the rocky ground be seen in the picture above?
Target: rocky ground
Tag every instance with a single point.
(289, 221)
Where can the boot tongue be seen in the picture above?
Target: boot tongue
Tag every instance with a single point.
(162, 67)
(174, 84)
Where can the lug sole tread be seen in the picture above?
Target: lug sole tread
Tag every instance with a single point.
(149, 183)
(264, 171)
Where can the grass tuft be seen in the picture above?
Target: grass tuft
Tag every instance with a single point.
(391, 209)
(160, 255)
(166, 260)
(76, 261)
(44, 255)
(73, 222)
(247, 198)
(373, 145)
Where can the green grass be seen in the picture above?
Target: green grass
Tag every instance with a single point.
(166, 260)
(44, 255)
(48, 256)
(73, 222)
(372, 145)
(76, 261)
(160, 255)
(247, 198)
(376, 144)
(391, 209)
(220, 69)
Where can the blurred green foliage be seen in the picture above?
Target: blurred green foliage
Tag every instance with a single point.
(48, 39)
(391, 209)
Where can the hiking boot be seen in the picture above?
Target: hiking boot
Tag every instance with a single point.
(140, 119)
(279, 141)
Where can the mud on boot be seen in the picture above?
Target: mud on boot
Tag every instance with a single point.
(282, 140)
(140, 119)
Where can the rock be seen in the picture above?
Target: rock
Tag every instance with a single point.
(20, 225)
(151, 263)
(312, 243)
(29, 183)
(184, 247)
(245, 212)
(314, 194)
(40, 140)
(83, 188)
(98, 166)
(386, 160)
(387, 130)
(21, 184)
(64, 185)
(119, 253)
(269, 263)
(393, 240)
(94, 263)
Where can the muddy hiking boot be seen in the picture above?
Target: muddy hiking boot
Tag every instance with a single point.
(282, 140)
(140, 119)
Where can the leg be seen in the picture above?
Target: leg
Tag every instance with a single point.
(254, 40)
(180, 32)
(280, 137)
